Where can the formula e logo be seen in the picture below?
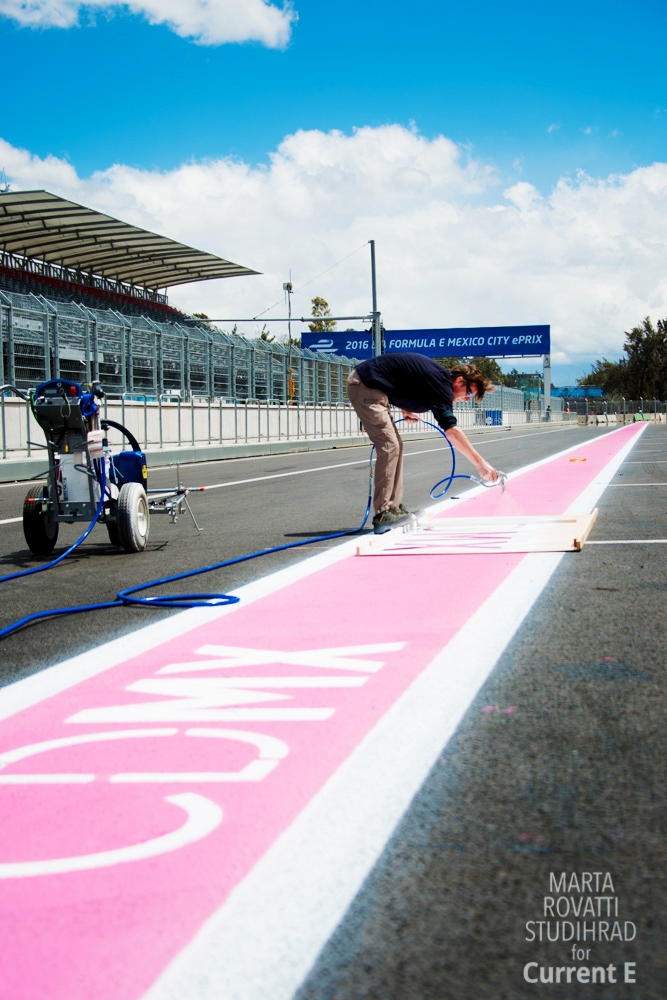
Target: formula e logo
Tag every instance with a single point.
(323, 346)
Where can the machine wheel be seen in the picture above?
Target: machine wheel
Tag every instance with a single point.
(132, 517)
(40, 533)
(114, 537)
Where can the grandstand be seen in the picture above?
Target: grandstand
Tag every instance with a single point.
(55, 247)
(83, 296)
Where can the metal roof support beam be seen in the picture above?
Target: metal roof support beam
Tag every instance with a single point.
(57, 231)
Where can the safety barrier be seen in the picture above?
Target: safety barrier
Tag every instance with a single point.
(171, 422)
(174, 423)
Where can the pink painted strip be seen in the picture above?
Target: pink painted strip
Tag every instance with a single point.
(109, 931)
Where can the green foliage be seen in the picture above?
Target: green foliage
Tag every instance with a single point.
(642, 373)
(321, 308)
(266, 335)
(205, 323)
(608, 375)
(449, 362)
(489, 368)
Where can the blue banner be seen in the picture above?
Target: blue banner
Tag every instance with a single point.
(466, 342)
(351, 344)
(456, 342)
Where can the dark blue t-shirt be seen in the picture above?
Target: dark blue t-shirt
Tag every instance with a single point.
(412, 382)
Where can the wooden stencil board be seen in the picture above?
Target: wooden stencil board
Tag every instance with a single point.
(444, 535)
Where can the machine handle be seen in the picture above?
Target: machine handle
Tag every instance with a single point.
(119, 427)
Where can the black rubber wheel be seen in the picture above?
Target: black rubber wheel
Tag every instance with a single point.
(114, 537)
(40, 533)
(132, 517)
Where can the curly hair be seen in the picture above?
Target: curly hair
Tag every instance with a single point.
(473, 377)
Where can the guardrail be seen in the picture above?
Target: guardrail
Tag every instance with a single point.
(171, 422)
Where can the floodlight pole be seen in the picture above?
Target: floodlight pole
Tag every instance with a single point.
(547, 380)
(377, 325)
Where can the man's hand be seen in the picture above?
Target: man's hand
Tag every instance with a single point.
(411, 418)
(487, 471)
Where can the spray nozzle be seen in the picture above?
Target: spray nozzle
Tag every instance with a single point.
(489, 484)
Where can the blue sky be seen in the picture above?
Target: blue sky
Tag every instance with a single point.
(533, 93)
(495, 76)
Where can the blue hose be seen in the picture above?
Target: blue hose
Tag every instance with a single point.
(448, 479)
(126, 597)
(40, 569)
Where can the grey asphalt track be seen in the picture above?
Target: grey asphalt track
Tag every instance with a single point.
(311, 494)
(558, 767)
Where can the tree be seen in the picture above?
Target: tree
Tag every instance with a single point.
(321, 308)
(611, 376)
(489, 368)
(205, 319)
(266, 335)
(642, 373)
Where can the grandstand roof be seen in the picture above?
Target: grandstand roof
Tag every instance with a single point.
(41, 225)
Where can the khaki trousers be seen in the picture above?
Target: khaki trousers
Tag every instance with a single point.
(372, 407)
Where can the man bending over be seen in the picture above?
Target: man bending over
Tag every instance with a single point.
(415, 384)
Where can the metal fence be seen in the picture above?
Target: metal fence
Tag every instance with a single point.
(169, 421)
(175, 385)
(161, 423)
(44, 339)
(601, 406)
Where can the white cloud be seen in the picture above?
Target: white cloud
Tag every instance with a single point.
(452, 249)
(210, 22)
(554, 127)
(524, 195)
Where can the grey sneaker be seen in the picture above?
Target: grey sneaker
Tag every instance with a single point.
(387, 519)
(403, 510)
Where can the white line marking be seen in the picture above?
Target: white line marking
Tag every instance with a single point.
(202, 816)
(264, 939)
(61, 676)
(11, 520)
(630, 541)
(319, 468)
(340, 465)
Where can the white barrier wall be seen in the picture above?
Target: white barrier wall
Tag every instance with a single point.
(162, 423)
(172, 423)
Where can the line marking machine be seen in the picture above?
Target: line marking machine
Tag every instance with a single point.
(85, 481)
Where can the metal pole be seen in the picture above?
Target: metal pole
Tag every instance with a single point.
(277, 319)
(4, 431)
(547, 380)
(377, 333)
